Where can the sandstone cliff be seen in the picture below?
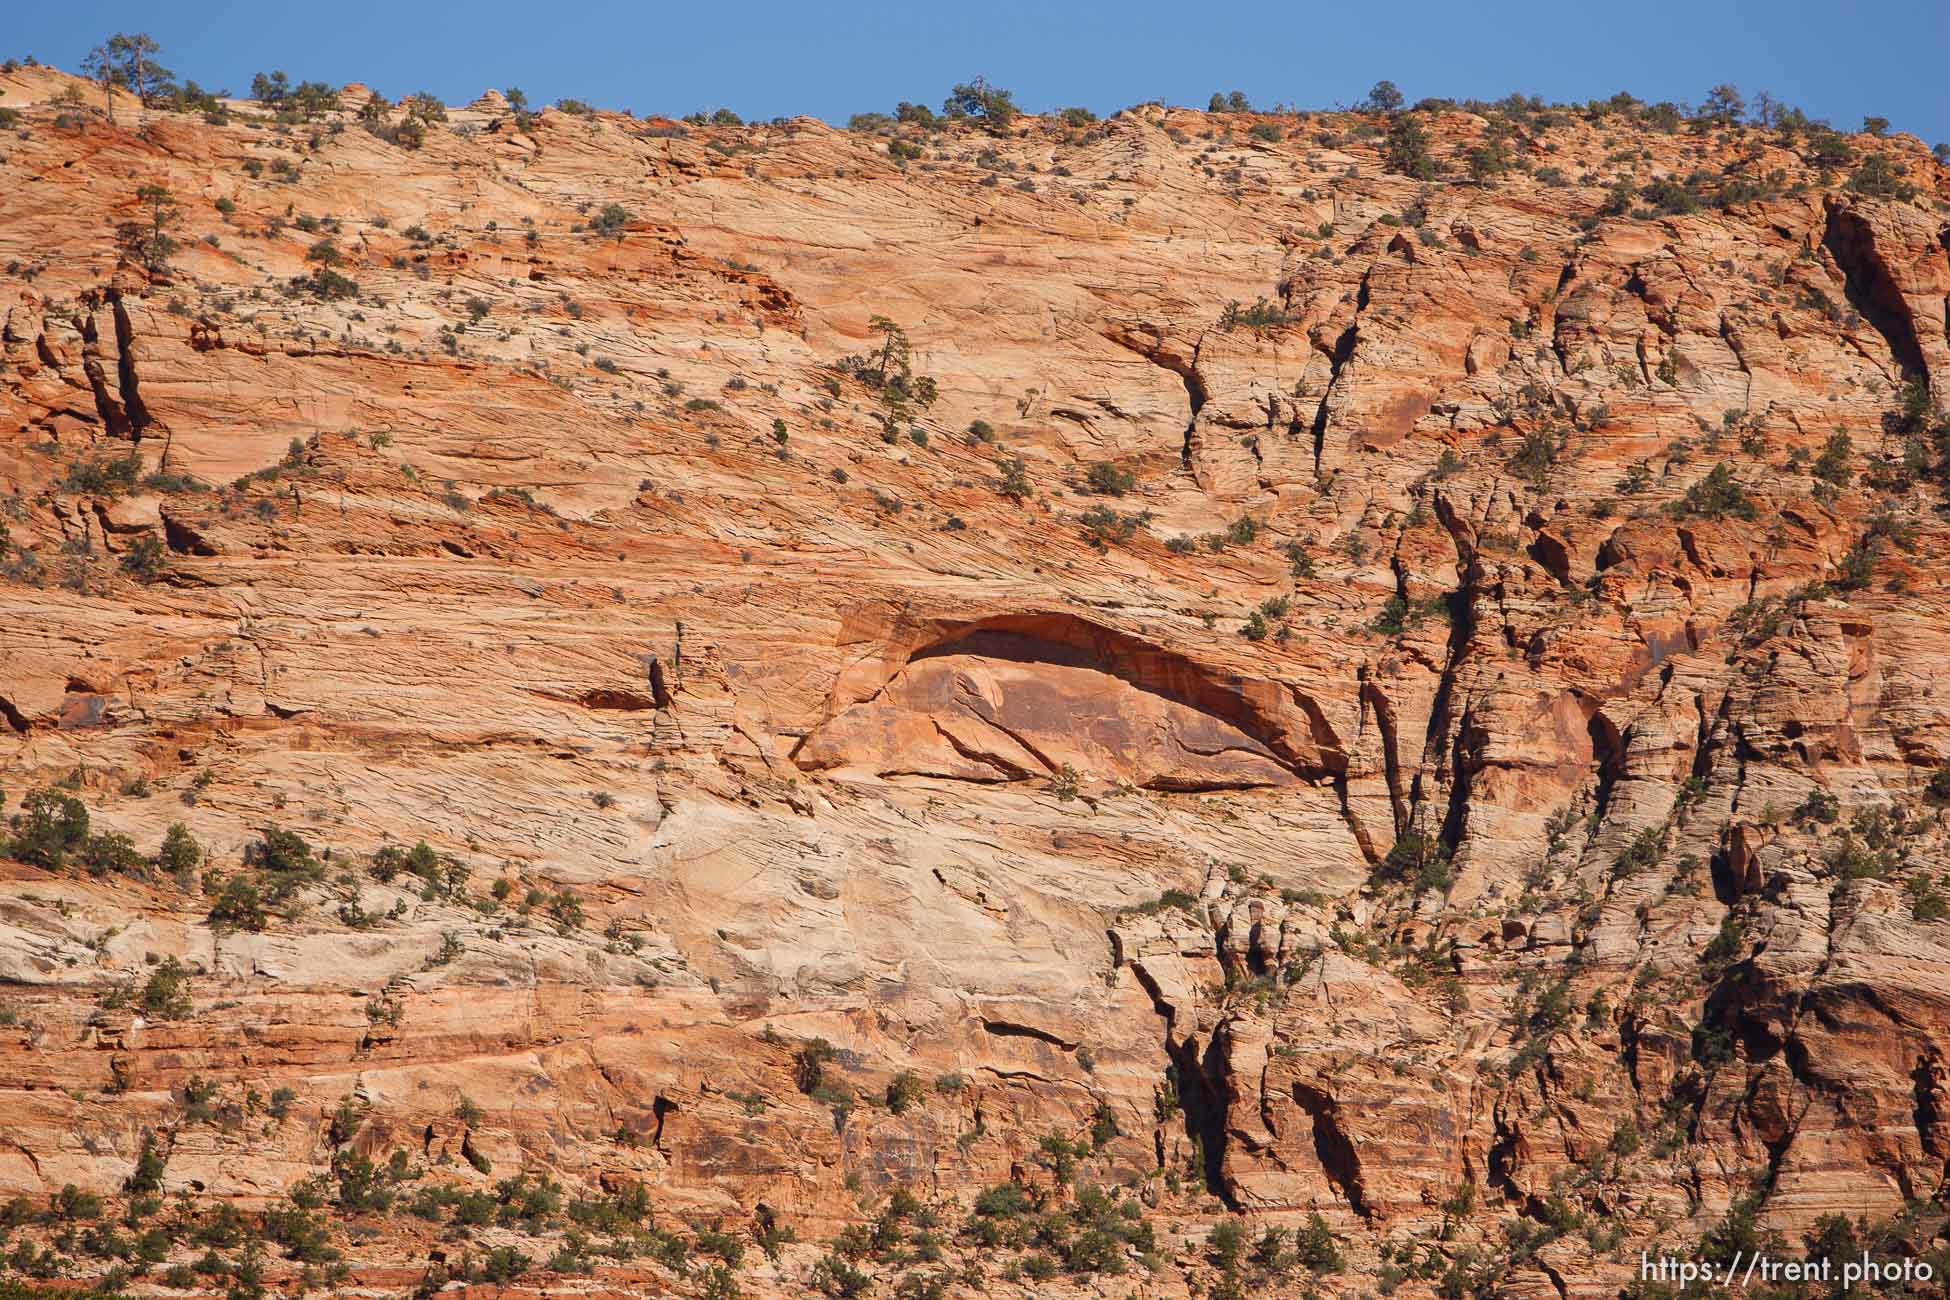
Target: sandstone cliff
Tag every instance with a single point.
(1157, 653)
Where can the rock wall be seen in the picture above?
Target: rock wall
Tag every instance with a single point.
(1357, 696)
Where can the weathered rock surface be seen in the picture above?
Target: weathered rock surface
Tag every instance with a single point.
(1418, 796)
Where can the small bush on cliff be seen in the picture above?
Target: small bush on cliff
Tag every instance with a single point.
(324, 283)
(48, 828)
(148, 1172)
(106, 476)
(167, 994)
(1226, 1242)
(1316, 1247)
(566, 909)
(441, 875)
(503, 1265)
(610, 221)
(1408, 149)
(110, 852)
(1262, 315)
(238, 905)
(1877, 177)
(1106, 479)
(1399, 613)
(147, 241)
(1832, 466)
(1818, 806)
(1858, 564)
(1927, 901)
(1101, 526)
(1418, 859)
(281, 850)
(809, 1064)
(1015, 480)
(1535, 456)
(1717, 496)
(144, 558)
(1644, 850)
(1171, 900)
(904, 1092)
(72, 1203)
(833, 1276)
(1670, 197)
(994, 106)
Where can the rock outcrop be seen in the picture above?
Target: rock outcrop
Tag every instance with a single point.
(805, 663)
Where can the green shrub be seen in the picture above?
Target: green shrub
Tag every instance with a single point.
(1644, 850)
(108, 852)
(1832, 465)
(1535, 456)
(239, 905)
(978, 99)
(1878, 177)
(281, 850)
(1818, 806)
(1725, 943)
(1262, 315)
(1418, 859)
(1398, 613)
(325, 283)
(1227, 1242)
(1102, 526)
(1106, 479)
(1719, 495)
(1408, 149)
(167, 994)
(1670, 197)
(833, 1276)
(1858, 564)
(144, 558)
(809, 1063)
(105, 475)
(611, 220)
(503, 1265)
(904, 1091)
(1316, 1248)
(1927, 901)
(148, 1173)
(1015, 480)
(49, 826)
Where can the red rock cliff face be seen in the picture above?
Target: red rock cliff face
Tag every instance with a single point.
(1407, 701)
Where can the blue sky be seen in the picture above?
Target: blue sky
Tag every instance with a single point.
(764, 58)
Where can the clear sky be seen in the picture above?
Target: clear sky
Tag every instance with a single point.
(766, 58)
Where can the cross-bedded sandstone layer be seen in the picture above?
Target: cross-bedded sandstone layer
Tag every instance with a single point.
(1412, 702)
